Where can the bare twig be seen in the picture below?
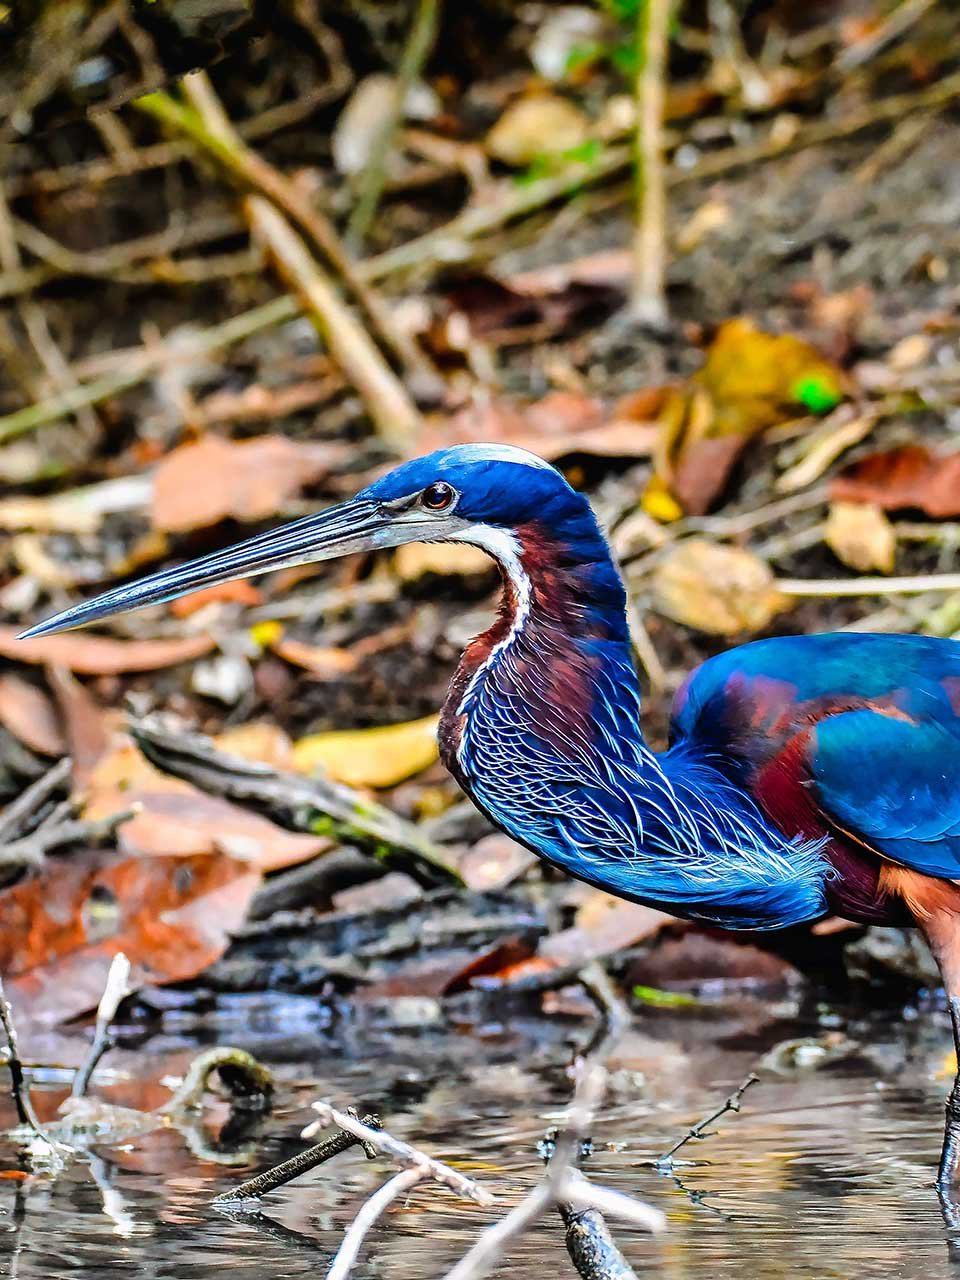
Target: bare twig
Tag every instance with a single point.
(648, 297)
(117, 988)
(254, 1189)
(591, 1247)
(698, 1132)
(18, 1085)
(393, 412)
(24, 813)
(802, 587)
(57, 832)
(419, 43)
(400, 1152)
(371, 1210)
(207, 124)
(900, 20)
(146, 363)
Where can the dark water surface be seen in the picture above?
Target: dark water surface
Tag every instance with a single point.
(826, 1172)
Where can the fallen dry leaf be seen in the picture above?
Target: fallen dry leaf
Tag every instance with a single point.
(177, 820)
(494, 862)
(900, 479)
(85, 723)
(320, 660)
(537, 125)
(562, 423)
(859, 534)
(60, 929)
(717, 589)
(200, 484)
(379, 757)
(603, 924)
(240, 592)
(259, 740)
(100, 655)
(750, 381)
(27, 713)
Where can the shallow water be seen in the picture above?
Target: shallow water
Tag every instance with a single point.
(825, 1172)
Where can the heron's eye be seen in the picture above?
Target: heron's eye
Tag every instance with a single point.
(437, 497)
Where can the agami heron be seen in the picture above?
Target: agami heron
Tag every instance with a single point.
(805, 775)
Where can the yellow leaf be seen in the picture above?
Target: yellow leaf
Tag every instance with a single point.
(659, 502)
(266, 634)
(859, 534)
(541, 124)
(720, 590)
(378, 757)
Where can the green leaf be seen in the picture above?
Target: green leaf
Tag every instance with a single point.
(661, 999)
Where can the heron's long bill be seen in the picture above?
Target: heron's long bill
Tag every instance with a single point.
(359, 525)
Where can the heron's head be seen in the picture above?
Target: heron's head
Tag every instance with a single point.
(482, 494)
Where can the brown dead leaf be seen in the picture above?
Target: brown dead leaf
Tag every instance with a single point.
(177, 820)
(240, 592)
(717, 589)
(447, 559)
(60, 929)
(562, 423)
(750, 381)
(258, 740)
(859, 534)
(494, 862)
(100, 655)
(27, 713)
(324, 661)
(900, 479)
(604, 924)
(200, 484)
(85, 722)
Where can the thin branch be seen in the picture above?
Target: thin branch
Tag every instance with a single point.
(23, 814)
(254, 1189)
(817, 587)
(18, 1085)
(145, 364)
(420, 41)
(207, 124)
(117, 988)
(648, 294)
(400, 1152)
(393, 412)
(698, 1132)
(372, 1209)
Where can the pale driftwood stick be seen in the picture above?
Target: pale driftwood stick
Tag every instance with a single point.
(400, 1152)
(372, 1209)
(116, 989)
(648, 303)
(18, 1085)
(393, 412)
(868, 586)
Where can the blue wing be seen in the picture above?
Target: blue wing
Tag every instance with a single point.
(859, 733)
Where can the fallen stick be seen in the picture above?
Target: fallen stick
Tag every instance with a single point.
(30, 807)
(18, 1086)
(296, 802)
(590, 1245)
(400, 1152)
(254, 1189)
(206, 123)
(371, 1210)
(394, 415)
(117, 988)
(648, 303)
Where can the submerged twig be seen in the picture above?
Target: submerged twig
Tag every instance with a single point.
(664, 1162)
(254, 1189)
(400, 1152)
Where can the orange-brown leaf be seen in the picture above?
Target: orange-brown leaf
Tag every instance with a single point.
(27, 713)
(900, 479)
(101, 655)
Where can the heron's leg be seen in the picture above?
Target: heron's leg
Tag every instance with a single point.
(948, 1177)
